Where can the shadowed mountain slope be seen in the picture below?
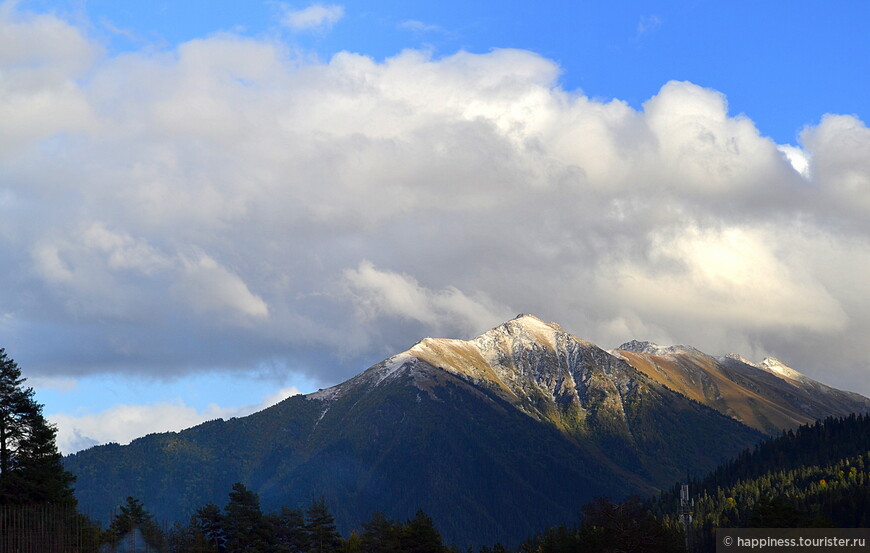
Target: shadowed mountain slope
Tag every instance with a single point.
(495, 438)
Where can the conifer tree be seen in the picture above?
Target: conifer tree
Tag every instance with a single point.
(207, 525)
(777, 512)
(246, 528)
(420, 535)
(30, 464)
(380, 534)
(288, 528)
(132, 517)
(320, 524)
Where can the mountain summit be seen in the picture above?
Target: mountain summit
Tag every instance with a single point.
(494, 437)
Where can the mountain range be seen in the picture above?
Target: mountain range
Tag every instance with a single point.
(768, 396)
(494, 437)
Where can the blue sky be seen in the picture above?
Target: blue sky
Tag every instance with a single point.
(213, 205)
(785, 63)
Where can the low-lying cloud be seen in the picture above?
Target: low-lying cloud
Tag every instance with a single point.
(123, 423)
(225, 204)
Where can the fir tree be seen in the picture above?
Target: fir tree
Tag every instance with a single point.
(246, 528)
(320, 525)
(30, 464)
(207, 525)
(288, 528)
(420, 536)
(777, 512)
(380, 535)
(132, 517)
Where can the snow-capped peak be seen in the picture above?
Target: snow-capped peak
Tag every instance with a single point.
(640, 346)
(774, 365)
(637, 346)
(535, 328)
(738, 357)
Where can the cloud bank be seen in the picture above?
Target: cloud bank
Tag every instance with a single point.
(225, 204)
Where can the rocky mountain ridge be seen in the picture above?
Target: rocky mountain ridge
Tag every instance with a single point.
(769, 396)
(494, 437)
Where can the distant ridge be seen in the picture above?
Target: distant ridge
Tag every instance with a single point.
(768, 396)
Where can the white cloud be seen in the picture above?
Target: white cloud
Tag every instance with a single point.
(647, 24)
(313, 17)
(840, 147)
(376, 293)
(732, 276)
(123, 423)
(278, 397)
(221, 205)
(40, 56)
(418, 27)
(208, 287)
(797, 157)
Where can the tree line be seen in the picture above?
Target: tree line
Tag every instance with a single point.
(816, 475)
(32, 475)
(242, 527)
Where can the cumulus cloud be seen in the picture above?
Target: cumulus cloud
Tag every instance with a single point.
(797, 157)
(315, 16)
(379, 293)
(123, 423)
(40, 56)
(209, 287)
(223, 205)
(731, 276)
(840, 146)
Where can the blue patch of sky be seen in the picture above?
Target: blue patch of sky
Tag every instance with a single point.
(93, 394)
(783, 64)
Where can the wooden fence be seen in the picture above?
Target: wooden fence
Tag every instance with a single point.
(46, 529)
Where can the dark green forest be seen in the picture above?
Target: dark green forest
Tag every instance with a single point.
(241, 527)
(814, 476)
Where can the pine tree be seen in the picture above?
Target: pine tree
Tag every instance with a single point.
(380, 534)
(30, 464)
(320, 524)
(288, 527)
(134, 517)
(420, 535)
(246, 528)
(207, 525)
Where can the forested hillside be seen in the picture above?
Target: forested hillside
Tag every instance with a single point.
(816, 475)
(494, 438)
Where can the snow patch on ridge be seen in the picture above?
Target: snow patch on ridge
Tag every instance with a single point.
(327, 394)
(389, 368)
(637, 346)
(774, 365)
(392, 366)
(541, 332)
